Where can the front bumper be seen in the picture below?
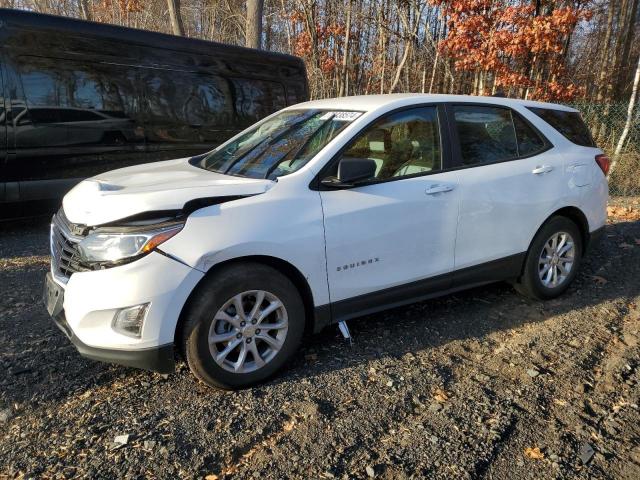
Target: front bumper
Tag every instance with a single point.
(159, 359)
(85, 306)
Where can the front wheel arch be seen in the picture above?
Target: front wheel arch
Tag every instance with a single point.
(312, 324)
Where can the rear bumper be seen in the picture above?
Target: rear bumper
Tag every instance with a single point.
(157, 359)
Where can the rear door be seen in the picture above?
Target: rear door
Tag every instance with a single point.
(510, 179)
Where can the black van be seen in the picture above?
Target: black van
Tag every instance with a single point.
(78, 98)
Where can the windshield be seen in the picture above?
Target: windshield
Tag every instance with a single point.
(278, 146)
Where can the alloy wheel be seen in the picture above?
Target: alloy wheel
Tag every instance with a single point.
(556, 259)
(248, 331)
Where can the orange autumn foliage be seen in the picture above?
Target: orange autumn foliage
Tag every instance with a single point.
(124, 5)
(326, 35)
(517, 47)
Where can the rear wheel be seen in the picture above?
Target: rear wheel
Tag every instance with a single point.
(552, 261)
(246, 321)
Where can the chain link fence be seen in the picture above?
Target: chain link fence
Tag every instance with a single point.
(607, 122)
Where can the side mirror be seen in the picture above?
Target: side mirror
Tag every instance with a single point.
(350, 172)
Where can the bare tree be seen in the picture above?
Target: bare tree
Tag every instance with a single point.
(344, 74)
(85, 9)
(176, 17)
(253, 28)
(627, 125)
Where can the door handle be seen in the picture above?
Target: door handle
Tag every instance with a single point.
(541, 169)
(438, 189)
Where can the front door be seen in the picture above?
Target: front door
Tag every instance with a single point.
(392, 238)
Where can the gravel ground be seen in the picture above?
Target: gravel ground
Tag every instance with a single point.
(479, 384)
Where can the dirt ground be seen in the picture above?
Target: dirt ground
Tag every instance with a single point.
(480, 384)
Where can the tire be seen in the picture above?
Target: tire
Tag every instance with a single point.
(530, 283)
(213, 312)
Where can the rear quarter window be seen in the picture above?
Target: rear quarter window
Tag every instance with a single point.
(569, 124)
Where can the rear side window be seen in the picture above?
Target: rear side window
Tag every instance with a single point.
(494, 134)
(569, 124)
(529, 142)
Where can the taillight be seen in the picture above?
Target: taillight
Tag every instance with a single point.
(604, 163)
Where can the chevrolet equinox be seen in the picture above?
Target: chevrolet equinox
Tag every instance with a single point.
(319, 213)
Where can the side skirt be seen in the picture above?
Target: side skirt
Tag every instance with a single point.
(507, 268)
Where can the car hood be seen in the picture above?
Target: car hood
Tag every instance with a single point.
(151, 187)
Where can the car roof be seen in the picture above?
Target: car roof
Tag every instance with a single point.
(396, 100)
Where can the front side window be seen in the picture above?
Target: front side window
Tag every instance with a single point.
(401, 144)
(278, 146)
(493, 134)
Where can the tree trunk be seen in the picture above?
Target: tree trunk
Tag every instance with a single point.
(400, 66)
(383, 49)
(628, 36)
(604, 64)
(627, 125)
(86, 10)
(411, 29)
(253, 26)
(288, 25)
(344, 74)
(176, 17)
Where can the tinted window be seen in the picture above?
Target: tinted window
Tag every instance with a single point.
(529, 142)
(62, 91)
(569, 124)
(187, 98)
(255, 99)
(401, 144)
(41, 115)
(3, 119)
(486, 134)
(77, 115)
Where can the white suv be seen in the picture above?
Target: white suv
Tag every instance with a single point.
(321, 212)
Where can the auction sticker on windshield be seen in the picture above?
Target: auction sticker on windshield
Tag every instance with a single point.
(342, 116)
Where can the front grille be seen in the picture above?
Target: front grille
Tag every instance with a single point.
(65, 260)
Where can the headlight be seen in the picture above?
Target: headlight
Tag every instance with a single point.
(114, 246)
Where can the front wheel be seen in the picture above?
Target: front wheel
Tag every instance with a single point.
(552, 260)
(243, 324)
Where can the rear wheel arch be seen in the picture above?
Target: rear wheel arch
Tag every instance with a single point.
(530, 282)
(282, 266)
(576, 216)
